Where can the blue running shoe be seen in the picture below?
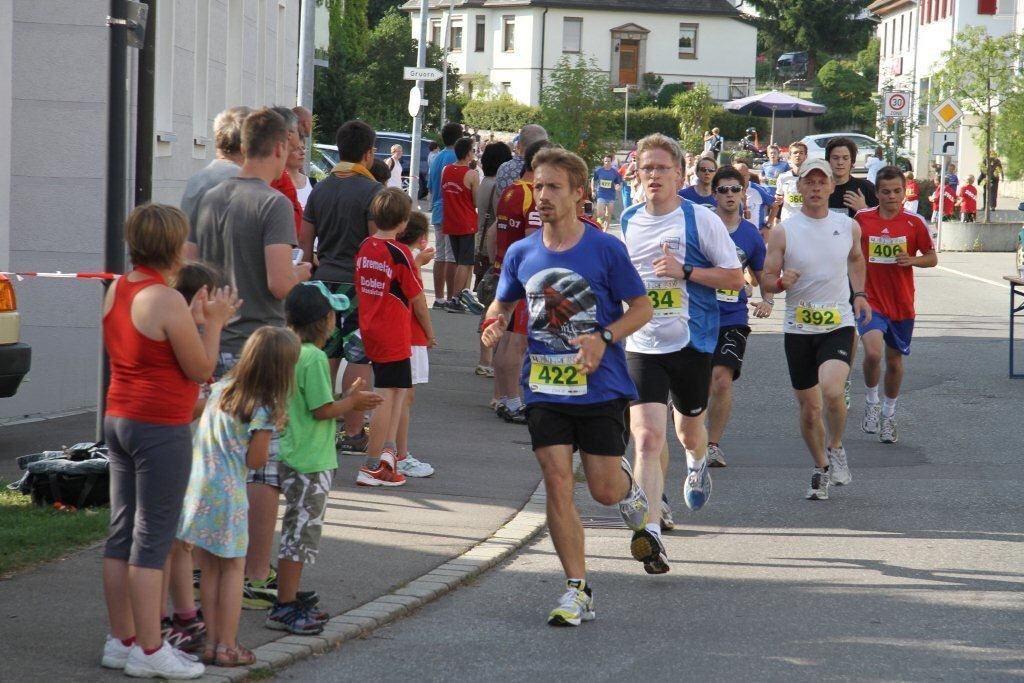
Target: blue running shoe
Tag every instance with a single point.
(697, 488)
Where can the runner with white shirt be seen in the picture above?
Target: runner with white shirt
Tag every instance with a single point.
(683, 253)
(787, 195)
(815, 256)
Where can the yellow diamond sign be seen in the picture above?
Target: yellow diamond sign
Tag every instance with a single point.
(948, 112)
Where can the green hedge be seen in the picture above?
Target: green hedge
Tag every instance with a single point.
(502, 113)
(645, 121)
(669, 91)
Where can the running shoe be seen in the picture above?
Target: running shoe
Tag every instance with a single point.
(872, 415)
(715, 456)
(667, 523)
(293, 617)
(634, 508)
(188, 635)
(386, 474)
(258, 594)
(648, 548)
(115, 653)
(502, 411)
(353, 444)
(456, 306)
(308, 598)
(468, 299)
(411, 467)
(440, 305)
(820, 481)
(846, 392)
(517, 416)
(697, 487)
(574, 607)
(839, 469)
(888, 432)
(164, 663)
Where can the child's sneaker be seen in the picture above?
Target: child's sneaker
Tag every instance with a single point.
(386, 474)
(411, 467)
(188, 635)
(293, 617)
(164, 663)
(115, 653)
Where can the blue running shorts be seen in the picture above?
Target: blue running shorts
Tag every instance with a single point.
(896, 333)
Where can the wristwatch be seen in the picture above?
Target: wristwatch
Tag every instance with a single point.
(687, 271)
(606, 336)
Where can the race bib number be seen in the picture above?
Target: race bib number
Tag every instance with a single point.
(729, 296)
(666, 297)
(818, 317)
(794, 199)
(606, 184)
(556, 375)
(885, 249)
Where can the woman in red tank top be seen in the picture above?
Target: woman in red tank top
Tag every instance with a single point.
(158, 358)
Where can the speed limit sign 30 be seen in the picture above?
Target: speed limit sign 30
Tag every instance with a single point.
(896, 105)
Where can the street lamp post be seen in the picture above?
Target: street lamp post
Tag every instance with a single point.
(625, 122)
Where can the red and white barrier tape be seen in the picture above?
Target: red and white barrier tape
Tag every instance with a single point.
(65, 276)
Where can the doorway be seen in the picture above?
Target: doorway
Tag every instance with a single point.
(629, 62)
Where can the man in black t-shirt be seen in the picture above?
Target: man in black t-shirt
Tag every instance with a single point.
(851, 194)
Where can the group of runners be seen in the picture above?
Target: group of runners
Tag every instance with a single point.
(617, 330)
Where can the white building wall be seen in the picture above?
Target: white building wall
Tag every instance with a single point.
(53, 114)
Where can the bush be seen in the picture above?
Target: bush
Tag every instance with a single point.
(501, 113)
(646, 120)
(668, 92)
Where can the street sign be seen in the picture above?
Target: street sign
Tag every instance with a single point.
(621, 90)
(896, 104)
(948, 112)
(944, 143)
(415, 101)
(414, 74)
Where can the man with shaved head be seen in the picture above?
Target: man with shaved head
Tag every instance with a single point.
(512, 170)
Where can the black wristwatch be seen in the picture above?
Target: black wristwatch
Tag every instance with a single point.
(861, 294)
(606, 336)
(687, 271)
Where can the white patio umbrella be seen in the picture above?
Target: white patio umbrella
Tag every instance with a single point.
(774, 104)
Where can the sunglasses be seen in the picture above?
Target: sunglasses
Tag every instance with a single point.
(725, 189)
(705, 169)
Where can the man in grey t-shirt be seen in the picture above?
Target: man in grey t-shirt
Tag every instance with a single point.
(227, 132)
(247, 229)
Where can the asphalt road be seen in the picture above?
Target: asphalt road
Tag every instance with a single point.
(913, 572)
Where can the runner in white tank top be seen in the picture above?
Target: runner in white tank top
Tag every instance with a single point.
(815, 257)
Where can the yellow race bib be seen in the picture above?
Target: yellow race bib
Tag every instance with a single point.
(606, 184)
(817, 317)
(884, 250)
(557, 375)
(730, 296)
(666, 297)
(794, 199)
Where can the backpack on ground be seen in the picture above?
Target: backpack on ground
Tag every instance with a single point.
(78, 476)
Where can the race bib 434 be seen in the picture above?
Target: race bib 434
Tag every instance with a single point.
(666, 297)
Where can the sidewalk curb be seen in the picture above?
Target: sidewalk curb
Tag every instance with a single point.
(363, 620)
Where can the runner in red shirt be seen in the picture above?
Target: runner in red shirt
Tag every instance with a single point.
(967, 200)
(389, 294)
(458, 186)
(517, 219)
(894, 241)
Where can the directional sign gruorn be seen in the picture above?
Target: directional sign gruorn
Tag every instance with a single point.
(414, 74)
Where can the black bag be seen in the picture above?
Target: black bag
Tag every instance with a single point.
(487, 287)
(81, 477)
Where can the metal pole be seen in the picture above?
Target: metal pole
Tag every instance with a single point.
(446, 41)
(117, 172)
(307, 43)
(942, 202)
(417, 122)
(625, 125)
(146, 78)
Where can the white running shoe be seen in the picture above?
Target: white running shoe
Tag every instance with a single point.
(115, 653)
(838, 468)
(888, 432)
(667, 522)
(820, 482)
(634, 508)
(697, 487)
(166, 662)
(411, 467)
(715, 456)
(872, 415)
(574, 607)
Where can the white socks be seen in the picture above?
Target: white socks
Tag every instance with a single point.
(888, 407)
(872, 396)
(691, 460)
(514, 404)
(654, 529)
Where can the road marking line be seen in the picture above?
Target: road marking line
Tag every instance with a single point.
(973, 277)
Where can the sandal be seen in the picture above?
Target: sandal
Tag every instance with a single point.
(209, 654)
(234, 656)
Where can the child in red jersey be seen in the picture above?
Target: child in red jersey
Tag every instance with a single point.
(389, 295)
(967, 200)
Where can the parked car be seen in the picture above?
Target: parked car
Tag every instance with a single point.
(792, 65)
(866, 145)
(329, 154)
(15, 357)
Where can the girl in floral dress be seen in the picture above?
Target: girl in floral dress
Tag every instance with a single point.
(243, 411)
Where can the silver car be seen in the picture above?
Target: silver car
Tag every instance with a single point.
(816, 145)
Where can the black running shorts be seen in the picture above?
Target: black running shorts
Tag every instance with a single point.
(595, 428)
(395, 375)
(685, 375)
(463, 249)
(805, 353)
(732, 344)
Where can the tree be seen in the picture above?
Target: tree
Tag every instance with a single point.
(376, 9)
(693, 108)
(819, 27)
(1010, 136)
(574, 107)
(981, 74)
(851, 99)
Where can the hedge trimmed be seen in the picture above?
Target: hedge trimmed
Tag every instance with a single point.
(502, 113)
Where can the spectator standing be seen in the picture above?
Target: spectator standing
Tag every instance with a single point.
(991, 181)
(158, 358)
(433, 150)
(283, 183)
(394, 164)
(874, 164)
(714, 145)
(967, 200)
(338, 216)
(954, 179)
(295, 167)
(458, 187)
(445, 260)
(913, 194)
(227, 134)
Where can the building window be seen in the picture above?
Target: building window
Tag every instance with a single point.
(508, 34)
(688, 41)
(506, 87)
(435, 32)
(572, 34)
(902, 28)
(163, 85)
(987, 6)
(481, 33)
(455, 38)
(202, 62)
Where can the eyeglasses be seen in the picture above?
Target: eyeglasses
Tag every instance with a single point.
(651, 170)
(705, 169)
(725, 189)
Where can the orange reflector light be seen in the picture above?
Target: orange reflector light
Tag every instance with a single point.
(8, 302)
